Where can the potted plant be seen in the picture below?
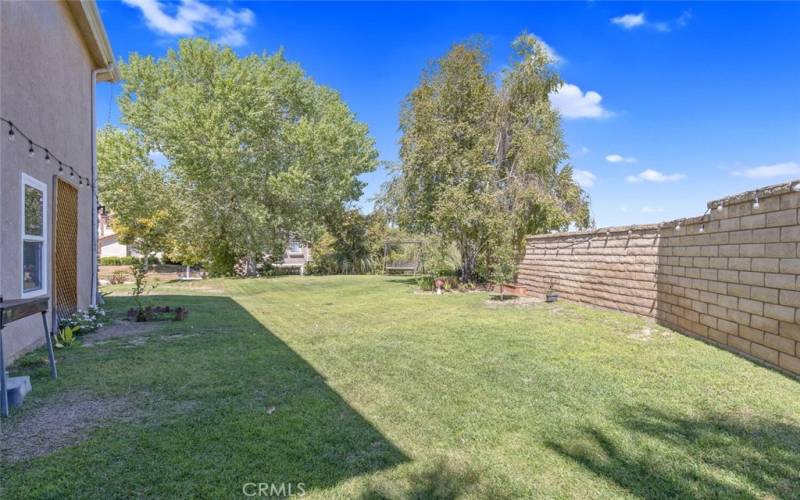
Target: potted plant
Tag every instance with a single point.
(551, 295)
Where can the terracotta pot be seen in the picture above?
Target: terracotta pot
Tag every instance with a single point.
(512, 289)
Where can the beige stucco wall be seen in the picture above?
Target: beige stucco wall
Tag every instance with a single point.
(45, 89)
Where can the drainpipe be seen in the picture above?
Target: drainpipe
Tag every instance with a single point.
(95, 272)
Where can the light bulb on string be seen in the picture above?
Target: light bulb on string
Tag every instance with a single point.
(756, 204)
(60, 166)
(11, 136)
(31, 151)
(47, 156)
(71, 172)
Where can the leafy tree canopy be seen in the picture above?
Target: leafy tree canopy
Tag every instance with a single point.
(484, 164)
(134, 190)
(257, 151)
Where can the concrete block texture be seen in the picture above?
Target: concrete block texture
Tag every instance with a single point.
(736, 283)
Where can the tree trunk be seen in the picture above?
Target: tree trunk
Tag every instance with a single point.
(469, 261)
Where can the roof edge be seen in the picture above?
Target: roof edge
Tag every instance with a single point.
(93, 31)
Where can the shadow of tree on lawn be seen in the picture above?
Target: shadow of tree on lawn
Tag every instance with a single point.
(255, 411)
(443, 479)
(657, 454)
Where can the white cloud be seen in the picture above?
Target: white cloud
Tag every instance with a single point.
(651, 210)
(785, 169)
(192, 17)
(572, 102)
(615, 158)
(584, 178)
(630, 21)
(584, 149)
(651, 175)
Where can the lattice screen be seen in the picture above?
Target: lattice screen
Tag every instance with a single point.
(65, 263)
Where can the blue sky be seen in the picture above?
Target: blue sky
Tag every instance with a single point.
(666, 105)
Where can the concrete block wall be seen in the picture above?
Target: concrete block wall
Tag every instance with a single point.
(731, 276)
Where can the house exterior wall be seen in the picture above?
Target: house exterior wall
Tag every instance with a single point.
(109, 246)
(734, 283)
(296, 259)
(46, 91)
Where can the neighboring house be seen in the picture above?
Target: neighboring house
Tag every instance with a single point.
(295, 258)
(107, 241)
(52, 54)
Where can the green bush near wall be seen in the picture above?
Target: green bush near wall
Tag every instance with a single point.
(125, 261)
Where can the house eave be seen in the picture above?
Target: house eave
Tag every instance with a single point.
(90, 24)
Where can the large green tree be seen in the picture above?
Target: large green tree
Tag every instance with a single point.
(257, 150)
(134, 190)
(482, 164)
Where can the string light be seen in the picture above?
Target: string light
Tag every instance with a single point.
(796, 187)
(702, 227)
(678, 227)
(719, 207)
(13, 130)
(756, 204)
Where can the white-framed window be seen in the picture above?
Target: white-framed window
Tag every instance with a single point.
(34, 237)
(295, 247)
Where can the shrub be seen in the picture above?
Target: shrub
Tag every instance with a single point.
(119, 261)
(118, 277)
(84, 321)
(128, 261)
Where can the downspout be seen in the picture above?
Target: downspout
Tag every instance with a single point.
(95, 277)
(94, 274)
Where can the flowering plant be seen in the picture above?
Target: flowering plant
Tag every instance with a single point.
(87, 321)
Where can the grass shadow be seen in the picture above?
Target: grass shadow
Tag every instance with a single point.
(253, 410)
(657, 454)
(443, 479)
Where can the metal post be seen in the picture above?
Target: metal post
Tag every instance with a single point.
(4, 395)
(49, 338)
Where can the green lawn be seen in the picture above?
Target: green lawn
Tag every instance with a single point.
(379, 391)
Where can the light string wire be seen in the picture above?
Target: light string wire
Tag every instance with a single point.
(49, 157)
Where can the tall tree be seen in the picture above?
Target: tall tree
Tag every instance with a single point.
(483, 165)
(134, 190)
(258, 151)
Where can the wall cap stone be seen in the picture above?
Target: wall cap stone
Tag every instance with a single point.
(765, 192)
(762, 193)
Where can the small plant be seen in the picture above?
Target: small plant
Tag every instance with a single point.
(87, 321)
(118, 277)
(504, 269)
(425, 282)
(66, 337)
(551, 295)
(140, 287)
